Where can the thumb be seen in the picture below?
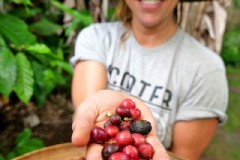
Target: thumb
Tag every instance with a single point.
(159, 150)
(83, 122)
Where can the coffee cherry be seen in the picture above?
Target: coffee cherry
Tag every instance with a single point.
(111, 141)
(141, 126)
(135, 113)
(146, 150)
(111, 131)
(82, 158)
(131, 151)
(109, 149)
(138, 139)
(115, 119)
(119, 156)
(98, 135)
(128, 103)
(123, 112)
(124, 138)
(108, 123)
(125, 125)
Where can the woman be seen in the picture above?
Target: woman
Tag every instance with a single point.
(147, 57)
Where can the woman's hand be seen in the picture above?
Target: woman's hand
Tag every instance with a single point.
(92, 112)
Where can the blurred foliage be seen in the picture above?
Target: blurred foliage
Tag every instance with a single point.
(231, 41)
(34, 59)
(24, 143)
(231, 47)
(233, 123)
(226, 142)
(236, 3)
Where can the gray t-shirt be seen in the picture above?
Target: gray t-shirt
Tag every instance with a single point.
(178, 80)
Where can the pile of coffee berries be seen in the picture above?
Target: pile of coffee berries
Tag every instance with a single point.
(123, 135)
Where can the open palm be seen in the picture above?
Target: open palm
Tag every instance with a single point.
(92, 112)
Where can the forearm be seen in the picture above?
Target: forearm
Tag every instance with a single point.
(191, 138)
(89, 77)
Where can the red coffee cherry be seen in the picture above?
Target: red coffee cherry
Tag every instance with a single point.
(123, 112)
(124, 138)
(135, 113)
(138, 139)
(111, 131)
(128, 103)
(108, 123)
(119, 156)
(125, 125)
(115, 119)
(111, 141)
(131, 151)
(109, 149)
(98, 135)
(146, 150)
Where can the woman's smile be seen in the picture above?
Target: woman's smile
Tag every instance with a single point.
(150, 4)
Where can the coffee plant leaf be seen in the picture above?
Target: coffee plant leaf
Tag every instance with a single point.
(7, 69)
(16, 31)
(62, 65)
(42, 86)
(31, 145)
(39, 49)
(24, 13)
(45, 27)
(24, 2)
(25, 81)
(74, 13)
(23, 137)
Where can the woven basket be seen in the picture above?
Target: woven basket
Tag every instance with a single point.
(65, 151)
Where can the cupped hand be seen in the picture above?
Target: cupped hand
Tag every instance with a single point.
(92, 112)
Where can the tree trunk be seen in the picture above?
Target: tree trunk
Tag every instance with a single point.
(205, 20)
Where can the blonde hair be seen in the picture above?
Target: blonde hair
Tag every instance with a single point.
(124, 13)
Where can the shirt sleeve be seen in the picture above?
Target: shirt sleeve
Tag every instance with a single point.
(207, 98)
(89, 46)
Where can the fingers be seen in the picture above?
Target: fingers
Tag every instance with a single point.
(94, 151)
(83, 123)
(159, 150)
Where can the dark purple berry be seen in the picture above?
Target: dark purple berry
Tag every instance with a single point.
(141, 126)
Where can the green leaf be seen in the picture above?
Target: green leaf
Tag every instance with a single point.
(23, 138)
(36, 142)
(1, 157)
(83, 16)
(45, 27)
(31, 145)
(86, 18)
(16, 31)
(72, 26)
(25, 81)
(7, 69)
(25, 13)
(43, 87)
(24, 2)
(11, 155)
(73, 13)
(38, 48)
(62, 65)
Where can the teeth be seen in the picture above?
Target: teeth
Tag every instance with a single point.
(150, 1)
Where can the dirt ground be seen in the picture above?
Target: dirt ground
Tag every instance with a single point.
(51, 123)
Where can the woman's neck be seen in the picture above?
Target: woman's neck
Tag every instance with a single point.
(153, 36)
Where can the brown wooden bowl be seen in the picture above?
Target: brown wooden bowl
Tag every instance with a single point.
(65, 151)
